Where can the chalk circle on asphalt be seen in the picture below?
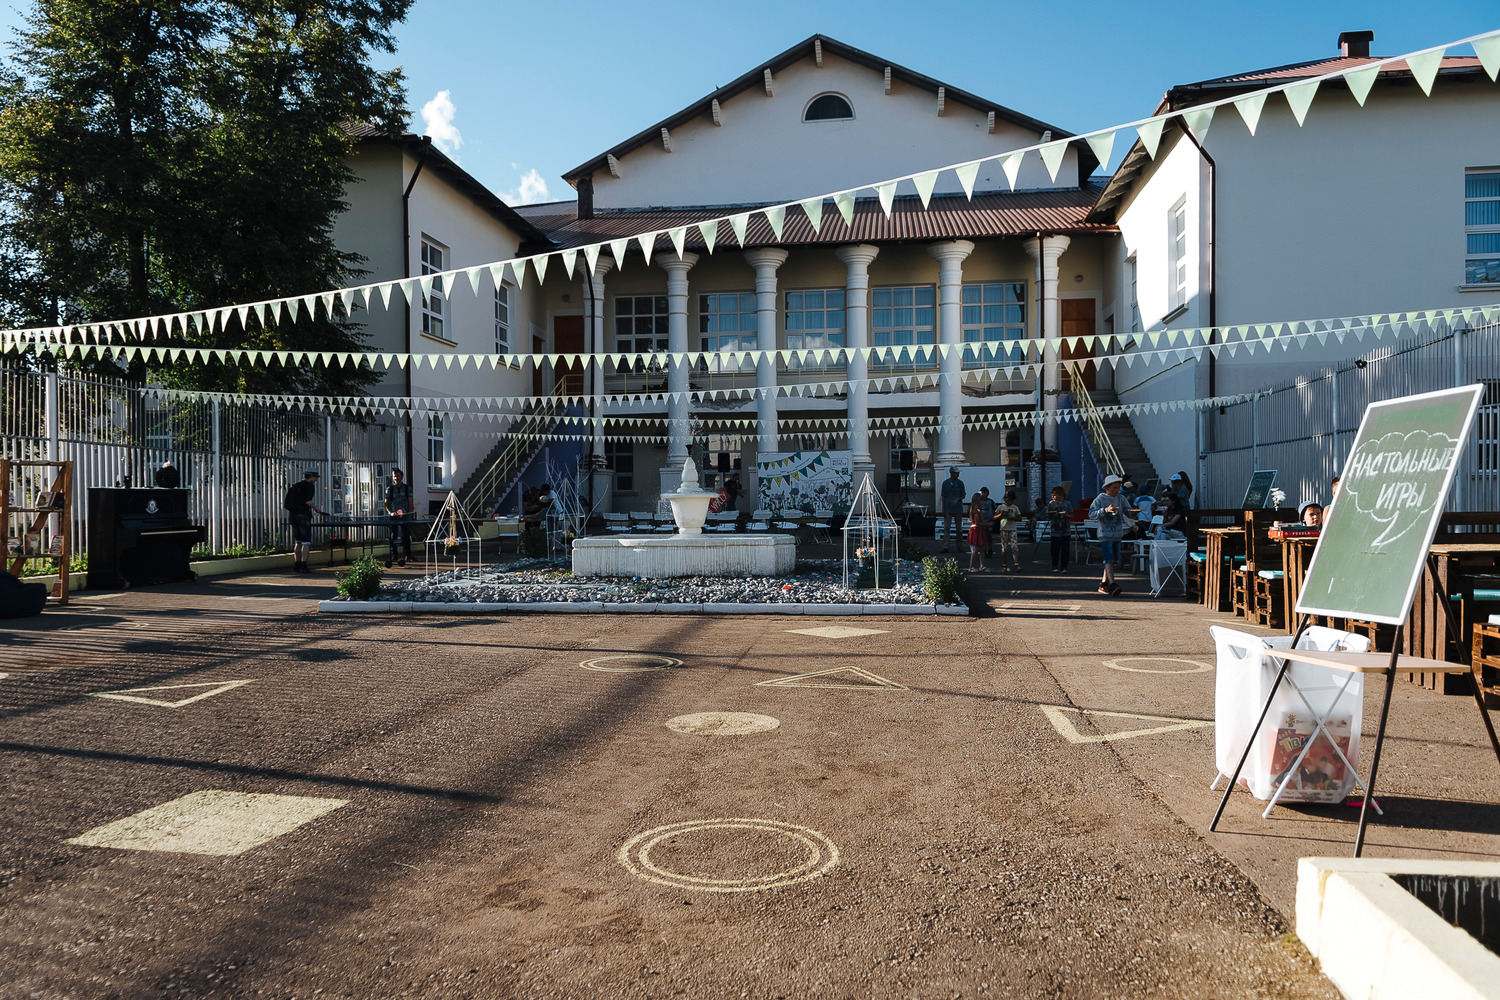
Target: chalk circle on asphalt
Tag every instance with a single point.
(821, 854)
(1118, 663)
(630, 663)
(722, 724)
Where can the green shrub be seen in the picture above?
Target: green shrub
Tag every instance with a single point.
(361, 581)
(941, 579)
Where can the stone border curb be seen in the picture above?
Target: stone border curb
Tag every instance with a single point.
(1374, 939)
(631, 607)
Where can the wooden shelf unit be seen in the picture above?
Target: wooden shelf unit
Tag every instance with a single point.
(62, 482)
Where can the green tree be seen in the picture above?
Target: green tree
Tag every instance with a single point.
(186, 154)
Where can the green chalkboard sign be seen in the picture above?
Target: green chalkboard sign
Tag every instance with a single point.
(1259, 490)
(1378, 529)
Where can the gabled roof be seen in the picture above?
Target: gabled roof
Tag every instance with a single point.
(803, 50)
(1188, 95)
(947, 217)
(439, 163)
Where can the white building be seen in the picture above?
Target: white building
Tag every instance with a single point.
(1391, 206)
(413, 211)
(823, 116)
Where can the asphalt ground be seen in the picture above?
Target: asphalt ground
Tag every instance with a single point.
(496, 806)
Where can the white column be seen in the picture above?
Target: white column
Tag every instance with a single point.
(595, 343)
(765, 261)
(857, 258)
(678, 433)
(1046, 251)
(950, 257)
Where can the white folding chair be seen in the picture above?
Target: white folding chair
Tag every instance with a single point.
(617, 523)
(1087, 534)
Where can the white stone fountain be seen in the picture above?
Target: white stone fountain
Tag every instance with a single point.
(689, 552)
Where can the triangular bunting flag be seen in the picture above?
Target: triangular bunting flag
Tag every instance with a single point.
(1052, 157)
(1361, 80)
(1012, 166)
(776, 216)
(618, 248)
(569, 259)
(1299, 97)
(887, 194)
(1488, 51)
(925, 183)
(1424, 67)
(518, 272)
(647, 243)
(844, 202)
(1199, 119)
(540, 263)
(739, 223)
(710, 231)
(1103, 145)
(678, 237)
(1150, 133)
(591, 256)
(813, 209)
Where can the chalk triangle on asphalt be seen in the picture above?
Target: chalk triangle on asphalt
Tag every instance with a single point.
(845, 678)
(135, 694)
(838, 631)
(1057, 715)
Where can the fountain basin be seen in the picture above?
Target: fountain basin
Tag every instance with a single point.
(689, 510)
(656, 556)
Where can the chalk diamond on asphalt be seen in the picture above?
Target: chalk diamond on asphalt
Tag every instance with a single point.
(210, 822)
(838, 631)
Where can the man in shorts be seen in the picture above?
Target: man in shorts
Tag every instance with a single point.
(300, 506)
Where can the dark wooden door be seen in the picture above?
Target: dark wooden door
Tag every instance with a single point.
(567, 338)
(1077, 321)
(538, 347)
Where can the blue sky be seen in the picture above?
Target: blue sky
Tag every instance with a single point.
(545, 86)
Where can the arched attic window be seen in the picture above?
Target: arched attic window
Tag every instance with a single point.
(828, 108)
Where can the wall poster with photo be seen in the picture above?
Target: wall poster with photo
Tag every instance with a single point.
(806, 481)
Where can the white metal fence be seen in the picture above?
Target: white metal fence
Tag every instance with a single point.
(1304, 429)
(237, 459)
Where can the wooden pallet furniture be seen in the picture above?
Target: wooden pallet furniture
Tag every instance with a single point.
(25, 520)
(1261, 582)
(1485, 660)
(1224, 546)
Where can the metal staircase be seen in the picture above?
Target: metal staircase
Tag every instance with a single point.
(1112, 437)
(513, 453)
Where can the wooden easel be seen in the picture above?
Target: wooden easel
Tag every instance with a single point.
(62, 482)
(1365, 663)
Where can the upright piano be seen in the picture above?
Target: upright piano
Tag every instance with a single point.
(140, 537)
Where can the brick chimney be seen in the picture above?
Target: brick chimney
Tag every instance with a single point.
(1356, 44)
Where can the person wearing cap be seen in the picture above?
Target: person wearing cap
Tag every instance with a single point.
(300, 504)
(1183, 487)
(1109, 510)
(952, 510)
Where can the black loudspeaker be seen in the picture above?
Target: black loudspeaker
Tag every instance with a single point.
(893, 482)
(908, 460)
(723, 461)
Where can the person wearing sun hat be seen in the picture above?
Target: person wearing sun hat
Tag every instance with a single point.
(1109, 510)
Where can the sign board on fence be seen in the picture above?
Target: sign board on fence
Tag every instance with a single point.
(806, 481)
(1378, 529)
(1259, 490)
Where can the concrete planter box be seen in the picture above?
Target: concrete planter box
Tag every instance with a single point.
(1377, 941)
(597, 607)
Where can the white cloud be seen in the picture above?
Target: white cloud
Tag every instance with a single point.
(533, 188)
(437, 121)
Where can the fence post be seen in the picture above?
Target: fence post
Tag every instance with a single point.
(1458, 331)
(1255, 432)
(1466, 469)
(51, 407)
(216, 503)
(1334, 378)
(328, 455)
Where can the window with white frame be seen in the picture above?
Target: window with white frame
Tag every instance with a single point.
(434, 305)
(1482, 227)
(1177, 252)
(1135, 300)
(619, 456)
(828, 108)
(437, 451)
(727, 321)
(994, 321)
(502, 319)
(640, 323)
(901, 317)
(815, 319)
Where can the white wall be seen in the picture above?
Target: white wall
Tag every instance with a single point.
(764, 152)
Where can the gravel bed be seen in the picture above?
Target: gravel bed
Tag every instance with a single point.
(814, 581)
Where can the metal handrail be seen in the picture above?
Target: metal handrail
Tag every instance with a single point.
(522, 444)
(1104, 449)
